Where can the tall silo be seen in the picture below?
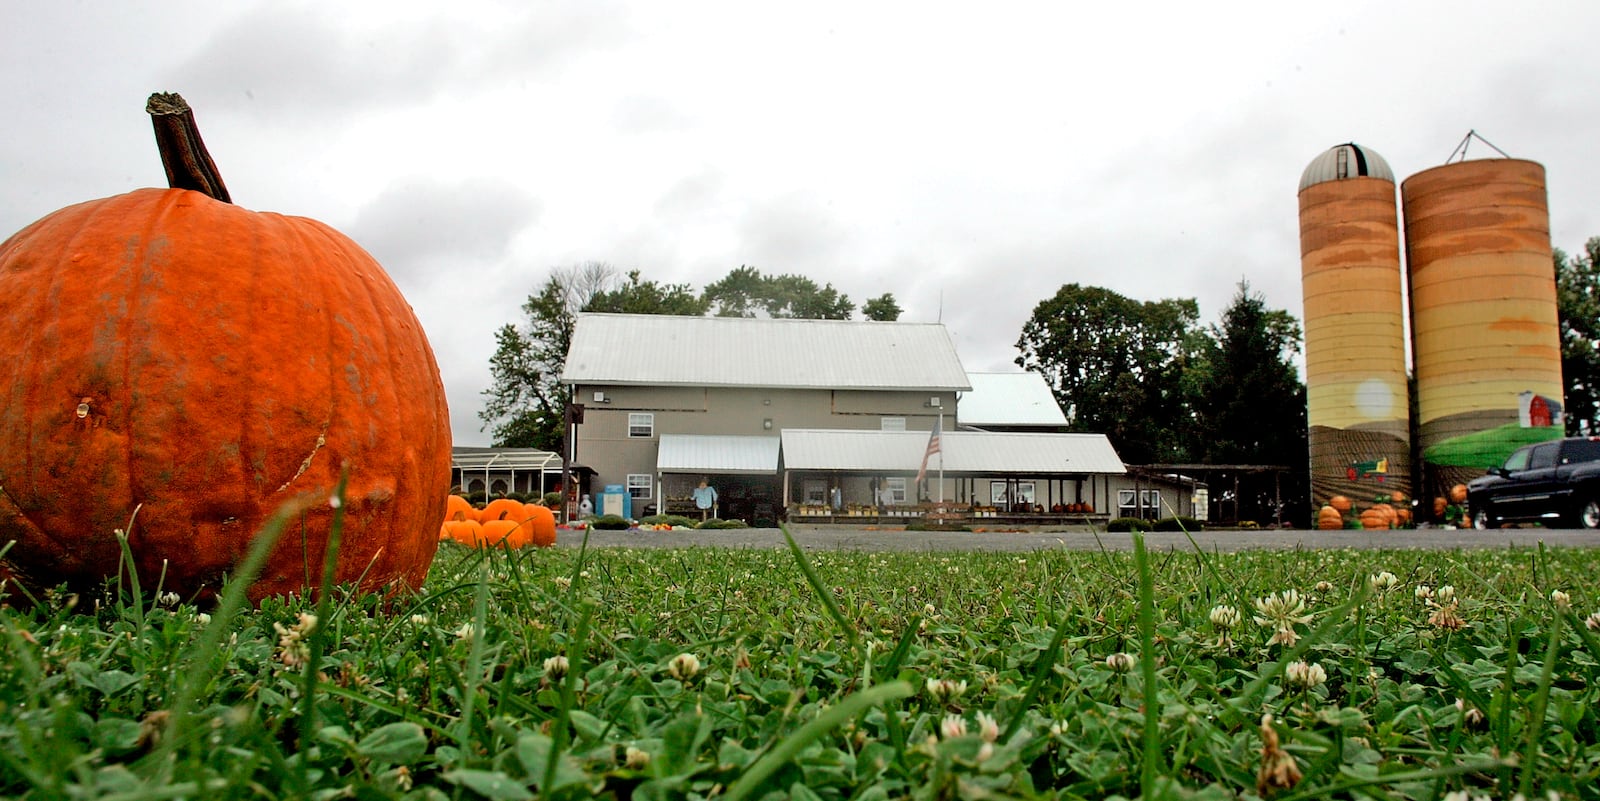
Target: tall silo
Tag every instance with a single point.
(1485, 338)
(1358, 408)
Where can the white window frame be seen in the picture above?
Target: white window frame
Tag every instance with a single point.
(641, 486)
(815, 491)
(641, 420)
(897, 488)
(891, 424)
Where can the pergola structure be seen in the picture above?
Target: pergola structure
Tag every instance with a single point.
(503, 470)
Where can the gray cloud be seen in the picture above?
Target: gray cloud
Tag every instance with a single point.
(416, 222)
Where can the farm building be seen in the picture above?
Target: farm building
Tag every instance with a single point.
(778, 413)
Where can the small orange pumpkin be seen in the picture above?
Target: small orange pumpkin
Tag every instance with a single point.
(1340, 502)
(466, 532)
(459, 508)
(1458, 493)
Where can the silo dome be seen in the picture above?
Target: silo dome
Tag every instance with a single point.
(1348, 160)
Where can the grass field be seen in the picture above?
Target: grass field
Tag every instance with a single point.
(748, 674)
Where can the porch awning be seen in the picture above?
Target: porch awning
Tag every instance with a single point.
(720, 454)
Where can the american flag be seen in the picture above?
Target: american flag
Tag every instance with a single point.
(933, 447)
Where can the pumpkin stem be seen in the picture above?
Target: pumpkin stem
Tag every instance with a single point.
(183, 155)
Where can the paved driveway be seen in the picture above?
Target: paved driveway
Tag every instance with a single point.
(817, 537)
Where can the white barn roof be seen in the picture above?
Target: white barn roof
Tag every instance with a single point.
(1008, 399)
(666, 350)
(716, 453)
(982, 452)
(473, 458)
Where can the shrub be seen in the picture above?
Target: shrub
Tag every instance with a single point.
(719, 523)
(1179, 523)
(552, 500)
(671, 520)
(477, 497)
(520, 497)
(609, 522)
(1128, 524)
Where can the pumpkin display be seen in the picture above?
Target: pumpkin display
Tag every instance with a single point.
(1329, 519)
(1340, 502)
(182, 368)
(1458, 493)
(1377, 517)
(1439, 505)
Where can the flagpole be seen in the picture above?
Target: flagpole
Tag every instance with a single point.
(941, 457)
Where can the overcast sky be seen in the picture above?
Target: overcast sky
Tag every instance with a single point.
(969, 158)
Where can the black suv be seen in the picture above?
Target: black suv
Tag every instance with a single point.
(1555, 483)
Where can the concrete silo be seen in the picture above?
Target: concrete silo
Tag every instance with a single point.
(1357, 402)
(1485, 337)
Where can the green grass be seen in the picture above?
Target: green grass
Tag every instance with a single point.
(826, 675)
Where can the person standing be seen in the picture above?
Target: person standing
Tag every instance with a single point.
(705, 497)
(836, 499)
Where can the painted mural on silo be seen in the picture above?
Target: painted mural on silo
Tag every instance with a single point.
(1358, 407)
(1485, 336)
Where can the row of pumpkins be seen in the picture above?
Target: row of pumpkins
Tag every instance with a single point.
(503, 523)
(1382, 515)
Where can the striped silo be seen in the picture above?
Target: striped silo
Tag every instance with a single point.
(1485, 337)
(1357, 403)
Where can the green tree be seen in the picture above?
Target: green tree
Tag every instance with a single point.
(525, 406)
(882, 308)
(1249, 402)
(745, 291)
(1578, 307)
(1116, 366)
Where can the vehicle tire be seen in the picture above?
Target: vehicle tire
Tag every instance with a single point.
(1482, 520)
(1588, 515)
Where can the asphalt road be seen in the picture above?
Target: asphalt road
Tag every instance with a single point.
(854, 538)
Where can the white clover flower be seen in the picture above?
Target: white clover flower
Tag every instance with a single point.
(465, 632)
(1224, 617)
(419, 620)
(1282, 611)
(1471, 716)
(1446, 595)
(1383, 581)
(202, 618)
(683, 667)
(988, 729)
(556, 666)
(1324, 586)
(1121, 662)
(945, 690)
(952, 726)
(636, 758)
(1423, 592)
(561, 582)
(1561, 600)
(168, 599)
(1304, 676)
(1592, 622)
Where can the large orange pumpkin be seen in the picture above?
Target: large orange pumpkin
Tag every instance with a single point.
(176, 355)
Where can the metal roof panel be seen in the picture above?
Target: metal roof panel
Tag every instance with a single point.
(717, 453)
(978, 452)
(1008, 399)
(668, 350)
